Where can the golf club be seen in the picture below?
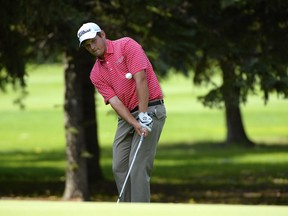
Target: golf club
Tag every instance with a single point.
(130, 168)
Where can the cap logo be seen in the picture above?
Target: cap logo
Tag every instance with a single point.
(83, 32)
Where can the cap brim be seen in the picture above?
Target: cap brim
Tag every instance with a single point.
(87, 36)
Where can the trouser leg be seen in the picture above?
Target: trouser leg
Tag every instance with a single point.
(121, 152)
(126, 141)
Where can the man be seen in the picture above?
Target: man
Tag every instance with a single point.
(123, 75)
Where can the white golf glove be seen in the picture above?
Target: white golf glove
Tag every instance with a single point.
(145, 120)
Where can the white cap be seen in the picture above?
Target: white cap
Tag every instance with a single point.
(87, 31)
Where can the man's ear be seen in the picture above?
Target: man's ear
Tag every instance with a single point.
(102, 34)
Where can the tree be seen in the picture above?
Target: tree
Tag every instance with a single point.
(13, 44)
(247, 47)
(83, 152)
(244, 40)
(34, 29)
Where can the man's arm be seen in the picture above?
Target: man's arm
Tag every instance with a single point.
(142, 91)
(143, 98)
(125, 114)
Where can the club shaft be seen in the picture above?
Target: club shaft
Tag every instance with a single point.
(130, 168)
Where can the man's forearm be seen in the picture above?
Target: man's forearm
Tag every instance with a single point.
(122, 110)
(142, 91)
(125, 114)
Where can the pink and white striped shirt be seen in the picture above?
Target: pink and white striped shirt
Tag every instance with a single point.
(123, 56)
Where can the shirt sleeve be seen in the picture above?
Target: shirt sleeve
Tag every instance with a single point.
(104, 89)
(135, 57)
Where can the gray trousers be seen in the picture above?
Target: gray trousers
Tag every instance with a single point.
(126, 140)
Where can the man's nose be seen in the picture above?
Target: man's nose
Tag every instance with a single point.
(93, 46)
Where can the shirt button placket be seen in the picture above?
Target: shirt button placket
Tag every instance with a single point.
(110, 69)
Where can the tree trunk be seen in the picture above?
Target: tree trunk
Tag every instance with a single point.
(76, 186)
(81, 129)
(94, 173)
(231, 93)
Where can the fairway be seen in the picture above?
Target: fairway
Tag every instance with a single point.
(44, 208)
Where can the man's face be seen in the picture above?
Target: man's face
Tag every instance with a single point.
(96, 46)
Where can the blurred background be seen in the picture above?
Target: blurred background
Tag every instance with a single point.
(223, 69)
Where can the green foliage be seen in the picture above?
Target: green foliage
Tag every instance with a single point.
(183, 35)
(13, 53)
(36, 31)
(244, 37)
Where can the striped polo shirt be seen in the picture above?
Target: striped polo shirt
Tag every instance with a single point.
(123, 56)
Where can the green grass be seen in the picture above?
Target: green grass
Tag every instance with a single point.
(33, 208)
(191, 165)
(188, 121)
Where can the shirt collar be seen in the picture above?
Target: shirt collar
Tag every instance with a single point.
(109, 48)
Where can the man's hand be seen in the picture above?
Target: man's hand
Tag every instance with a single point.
(145, 120)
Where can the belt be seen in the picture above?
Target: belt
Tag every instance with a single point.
(152, 103)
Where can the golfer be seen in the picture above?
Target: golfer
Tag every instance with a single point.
(124, 76)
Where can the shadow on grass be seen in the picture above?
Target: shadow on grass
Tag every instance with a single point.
(214, 173)
(201, 172)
